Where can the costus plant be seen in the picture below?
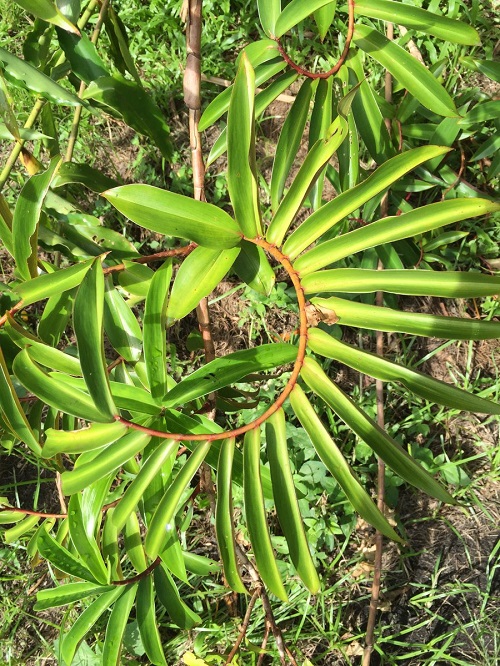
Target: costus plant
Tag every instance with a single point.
(86, 380)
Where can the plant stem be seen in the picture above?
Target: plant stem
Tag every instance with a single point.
(244, 626)
(78, 111)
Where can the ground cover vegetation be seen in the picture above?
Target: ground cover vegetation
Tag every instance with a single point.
(248, 388)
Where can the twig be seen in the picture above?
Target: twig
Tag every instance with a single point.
(264, 644)
(379, 387)
(140, 576)
(244, 626)
(340, 61)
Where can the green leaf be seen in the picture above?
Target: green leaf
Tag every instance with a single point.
(228, 370)
(409, 72)
(133, 543)
(24, 134)
(163, 519)
(120, 324)
(256, 516)
(289, 140)
(55, 317)
(135, 491)
(253, 267)
(175, 215)
(119, 49)
(52, 284)
(321, 119)
(224, 519)
(116, 626)
(82, 55)
(93, 437)
(106, 462)
(445, 284)
(390, 229)
(54, 393)
(376, 318)
(169, 596)
(6, 225)
(343, 205)
(269, 10)
(334, 460)
(88, 325)
(155, 339)
(11, 411)
(324, 18)
(72, 172)
(220, 104)
(367, 114)
(262, 101)
(377, 439)
(417, 382)
(67, 594)
(200, 272)
(85, 543)
(415, 18)
(287, 506)
(26, 219)
(313, 164)
(25, 525)
(47, 10)
(146, 619)
(84, 623)
(61, 558)
(295, 12)
(23, 75)
(40, 352)
(242, 169)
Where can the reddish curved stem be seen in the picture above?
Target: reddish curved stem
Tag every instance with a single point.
(294, 276)
(341, 60)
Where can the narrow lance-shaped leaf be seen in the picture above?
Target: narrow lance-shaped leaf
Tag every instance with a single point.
(135, 491)
(93, 437)
(52, 284)
(336, 463)
(390, 229)
(88, 325)
(135, 106)
(417, 382)
(23, 75)
(82, 55)
(11, 411)
(224, 518)
(419, 19)
(85, 544)
(119, 47)
(295, 12)
(61, 558)
(256, 517)
(26, 219)
(54, 393)
(287, 506)
(146, 619)
(69, 593)
(120, 324)
(175, 215)
(229, 369)
(314, 162)
(253, 267)
(85, 622)
(133, 543)
(23, 527)
(168, 594)
(198, 275)
(116, 626)
(384, 319)
(324, 18)
(161, 523)
(154, 326)
(384, 446)
(321, 119)
(47, 10)
(242, 169)
(269, 10)
(6, 225)
(409, 72)
(289, 140)
(445, 284)
(335, 211)
(104, 463)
